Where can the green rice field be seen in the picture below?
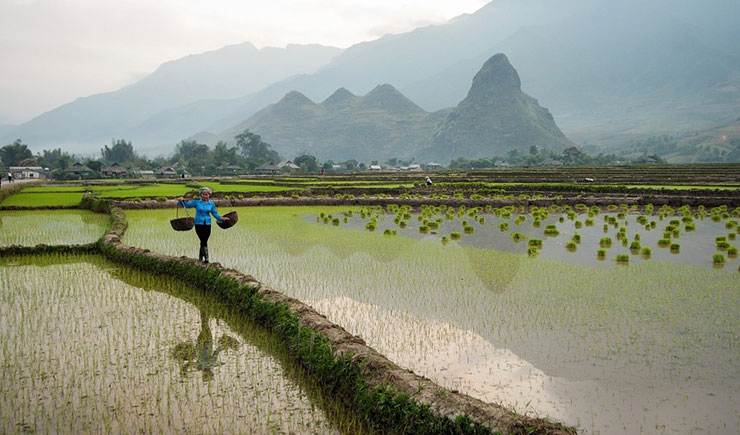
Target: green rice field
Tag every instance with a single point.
(590, 343)
(51, 227)
(47, 199)
(154, 356)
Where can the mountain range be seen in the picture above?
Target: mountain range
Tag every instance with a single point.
(494, 118)
(609, 72)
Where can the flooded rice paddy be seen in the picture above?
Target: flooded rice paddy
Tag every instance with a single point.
(649, 347)
(51, 227)
(89, 347)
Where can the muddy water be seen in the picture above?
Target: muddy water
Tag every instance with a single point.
(462, 360)
(626, 346)
(86, 347)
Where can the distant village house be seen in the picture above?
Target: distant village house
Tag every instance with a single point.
(114, 170)
(30, 172)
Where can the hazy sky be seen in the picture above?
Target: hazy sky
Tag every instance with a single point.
(54, 51)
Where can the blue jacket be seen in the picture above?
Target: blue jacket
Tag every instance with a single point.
(203, 211)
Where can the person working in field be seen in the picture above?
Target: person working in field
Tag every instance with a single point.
(204, 208)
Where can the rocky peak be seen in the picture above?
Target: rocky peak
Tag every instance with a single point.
(339, 99)
(496, 76)
(389, 99)
(295, 98)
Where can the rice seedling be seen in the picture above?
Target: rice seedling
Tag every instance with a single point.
(622, 258)
(454, 235)
(52, 227)
(571, 246)
(605, 242)
(601, 254)
(718, 259)
(722, 245)
(732, 236)
(731, 252)
(646, 252)
(635, 247)
(551, 230)
(576, 238)
(675, 248)
(131, 356)
(664, 242)
(532, 251)
(517, 236)
(535, 242)
(578, 224)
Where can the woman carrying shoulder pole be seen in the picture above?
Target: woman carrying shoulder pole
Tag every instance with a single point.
(204, 208)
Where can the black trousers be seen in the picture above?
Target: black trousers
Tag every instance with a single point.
(204, 233)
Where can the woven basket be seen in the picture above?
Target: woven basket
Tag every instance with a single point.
(182, 223)
(233, 218)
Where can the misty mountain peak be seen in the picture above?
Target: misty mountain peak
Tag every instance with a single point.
(495, 76)
(295, 98)
(339, 99)
(389, 99)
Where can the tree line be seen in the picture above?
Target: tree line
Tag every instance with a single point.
(251, 152)
(248, 153)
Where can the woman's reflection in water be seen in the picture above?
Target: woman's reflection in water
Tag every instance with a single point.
(203, 356)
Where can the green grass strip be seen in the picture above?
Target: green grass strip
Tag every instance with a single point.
(61, 199)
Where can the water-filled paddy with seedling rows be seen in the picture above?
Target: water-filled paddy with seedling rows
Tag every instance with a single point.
(51, 227)
(90, 347)
(648, 346)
